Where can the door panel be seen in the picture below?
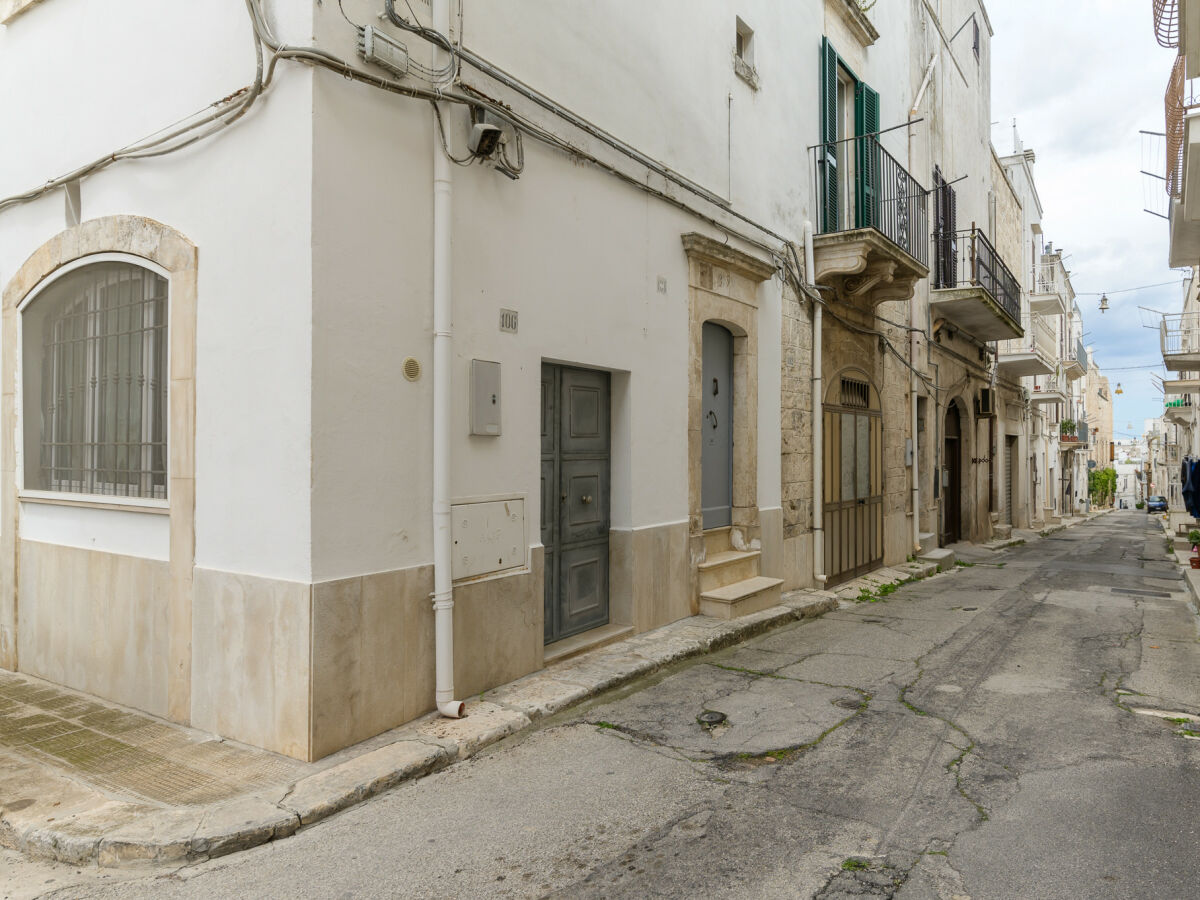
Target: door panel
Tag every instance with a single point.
(576, 417)
(716, 429)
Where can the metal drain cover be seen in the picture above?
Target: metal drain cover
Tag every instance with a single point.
(710, 718)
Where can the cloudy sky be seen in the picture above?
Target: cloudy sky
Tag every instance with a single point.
(1082, 80)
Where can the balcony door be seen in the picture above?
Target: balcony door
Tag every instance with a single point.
(848, 169)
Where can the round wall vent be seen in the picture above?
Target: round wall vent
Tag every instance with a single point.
(412, 369)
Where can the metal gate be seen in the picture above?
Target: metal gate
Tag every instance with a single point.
(1010, 474)
(853, 510)
(575, 499)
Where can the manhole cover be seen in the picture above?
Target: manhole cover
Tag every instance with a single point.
(710, 718)
(847, 703)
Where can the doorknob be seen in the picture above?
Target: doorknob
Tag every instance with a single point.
(586, 498)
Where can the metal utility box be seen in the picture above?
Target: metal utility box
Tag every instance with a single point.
(488, 536)
(485, 397)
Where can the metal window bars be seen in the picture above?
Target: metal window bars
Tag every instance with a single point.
(984, 268)
(884, 195)
(103, 391)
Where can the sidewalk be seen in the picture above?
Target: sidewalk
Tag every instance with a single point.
(87, 782)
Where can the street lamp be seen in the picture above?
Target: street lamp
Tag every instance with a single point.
(1119, 391)
(1103, 302)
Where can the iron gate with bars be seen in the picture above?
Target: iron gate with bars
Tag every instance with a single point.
(853, 509)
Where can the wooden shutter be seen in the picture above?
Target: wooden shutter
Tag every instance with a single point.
(952, 233)
(941, 250)
(828, 170)
(866, 122)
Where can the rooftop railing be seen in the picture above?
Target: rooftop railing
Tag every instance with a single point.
(883, 195)
(983, 268)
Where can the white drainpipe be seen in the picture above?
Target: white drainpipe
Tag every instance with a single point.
(818, 418)
(443, 352)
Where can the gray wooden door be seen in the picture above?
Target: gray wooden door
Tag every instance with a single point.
(716, 428)
(575, 498)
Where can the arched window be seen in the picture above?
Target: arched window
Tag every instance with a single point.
(94, 382)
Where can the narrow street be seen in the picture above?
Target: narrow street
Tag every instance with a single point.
(972, 735)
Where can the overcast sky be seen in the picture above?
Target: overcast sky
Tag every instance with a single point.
(1082, 80)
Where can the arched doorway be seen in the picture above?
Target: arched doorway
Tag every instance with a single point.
(853, 452)
(952, 476)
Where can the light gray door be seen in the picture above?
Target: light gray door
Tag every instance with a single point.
(575, 498)
(716, 428)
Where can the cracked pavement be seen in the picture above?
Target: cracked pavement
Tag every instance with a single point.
(975, 735)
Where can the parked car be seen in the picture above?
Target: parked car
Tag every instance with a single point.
(1156, 504)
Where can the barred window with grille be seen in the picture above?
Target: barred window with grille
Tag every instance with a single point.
(94, 383)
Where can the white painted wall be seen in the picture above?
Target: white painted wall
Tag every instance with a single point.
(243, 198)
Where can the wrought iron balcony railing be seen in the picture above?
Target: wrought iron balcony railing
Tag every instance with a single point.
(1039, 338)
(984, 268)
(1178, 103)
(1081, 354)
(860, 185)
(1166, 22)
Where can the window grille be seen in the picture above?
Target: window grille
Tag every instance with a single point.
(95, 383)
(856, 394)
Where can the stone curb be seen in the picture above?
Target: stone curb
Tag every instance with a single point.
(145, 836)
(125, 834)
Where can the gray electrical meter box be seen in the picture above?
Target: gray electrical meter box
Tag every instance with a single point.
(485, 397)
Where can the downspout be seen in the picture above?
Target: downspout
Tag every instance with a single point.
(443, 350)
(818, 417)
(912, 340)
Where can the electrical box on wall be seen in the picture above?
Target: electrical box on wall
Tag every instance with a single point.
(485, 397)
(488, 536)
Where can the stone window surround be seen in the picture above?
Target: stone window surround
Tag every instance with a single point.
(170, 251)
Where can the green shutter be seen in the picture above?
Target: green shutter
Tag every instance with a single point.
(866, 121)
(827, 181)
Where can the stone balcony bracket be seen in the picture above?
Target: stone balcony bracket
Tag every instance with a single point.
(864, 268)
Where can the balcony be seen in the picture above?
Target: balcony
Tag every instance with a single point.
(872, 223)
(1181, 386)
(981, 297)
(1052, 294)
(1047, 390)
(1179, 411)
(1075, 366)
(1177, 24)
(1034, 353)
(1182, 111)
(1179, 337)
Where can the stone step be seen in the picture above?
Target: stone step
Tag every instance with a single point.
(741, 599)
(728, 567)
(717, 540)
(939, 557)
(928, 541)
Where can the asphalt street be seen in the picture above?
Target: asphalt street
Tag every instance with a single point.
(990, 732)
